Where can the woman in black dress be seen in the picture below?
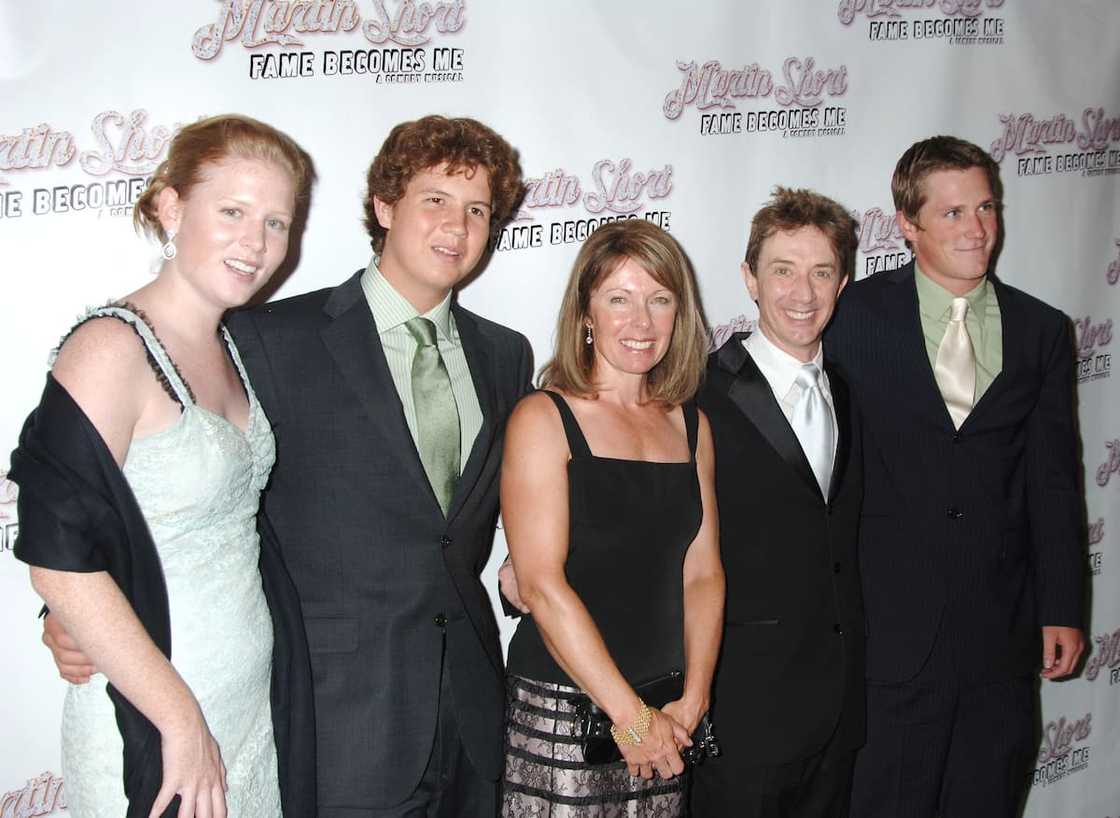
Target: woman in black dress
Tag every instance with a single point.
(609, 512)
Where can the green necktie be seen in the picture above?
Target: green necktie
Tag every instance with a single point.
(437, 418)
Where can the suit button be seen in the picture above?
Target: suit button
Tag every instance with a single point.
(954, 513)
(836, 568)
(837, 629)
(445, 541)
(956, 437)
(440, 620)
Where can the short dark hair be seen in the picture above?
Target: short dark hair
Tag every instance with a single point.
(790, 209)
(931, 155)
(460, 144)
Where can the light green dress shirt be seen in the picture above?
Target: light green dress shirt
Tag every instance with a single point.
(390, 311)
(982, 322)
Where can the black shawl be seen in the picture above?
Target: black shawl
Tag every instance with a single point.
(78, 513)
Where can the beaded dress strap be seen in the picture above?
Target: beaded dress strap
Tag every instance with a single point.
(161, 362)
(235, 356)
(577, 443)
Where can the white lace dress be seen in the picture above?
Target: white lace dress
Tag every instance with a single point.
(198, 484)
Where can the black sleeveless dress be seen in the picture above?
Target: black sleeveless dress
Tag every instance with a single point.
(630, 524)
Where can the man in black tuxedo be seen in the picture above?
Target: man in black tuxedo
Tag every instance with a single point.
(970, 538)
(788, 704)
(388, 402)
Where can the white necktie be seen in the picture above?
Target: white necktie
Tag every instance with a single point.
(955, 367)
(812, 423)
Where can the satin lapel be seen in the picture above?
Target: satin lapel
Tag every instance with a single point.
(480, 361)
(750, 392)
(353, 342)
(916, 372)
(840, 403)
(1014, 348)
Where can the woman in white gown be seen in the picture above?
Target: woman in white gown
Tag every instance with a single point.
(161, 381)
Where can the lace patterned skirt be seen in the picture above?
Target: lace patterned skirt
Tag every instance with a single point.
(546, 777)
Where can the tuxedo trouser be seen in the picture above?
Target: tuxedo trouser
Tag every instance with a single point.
(937, 745)
(450, 787)
(813, 787)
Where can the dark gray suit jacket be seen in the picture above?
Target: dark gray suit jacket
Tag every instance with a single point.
(976, 534)
(383, 578)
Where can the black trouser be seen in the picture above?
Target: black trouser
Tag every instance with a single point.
(940, 746)
(450, 787)
(813, 787)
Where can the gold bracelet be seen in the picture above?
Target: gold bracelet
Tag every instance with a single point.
(636, 731)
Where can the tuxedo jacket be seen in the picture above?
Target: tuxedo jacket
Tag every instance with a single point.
(790, 673)
(973, 536)
(388, 586)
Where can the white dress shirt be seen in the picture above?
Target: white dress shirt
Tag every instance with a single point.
(780, 369)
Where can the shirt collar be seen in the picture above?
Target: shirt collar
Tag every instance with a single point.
(936, 302)
(776, 365)
(391, 309)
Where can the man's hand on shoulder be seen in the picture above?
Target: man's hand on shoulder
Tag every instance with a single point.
(73, 665)
(1061, 649)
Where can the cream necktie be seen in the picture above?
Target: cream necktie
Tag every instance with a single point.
(812, 423)
(955, 367)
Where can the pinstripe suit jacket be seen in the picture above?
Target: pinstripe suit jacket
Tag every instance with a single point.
(974, 535)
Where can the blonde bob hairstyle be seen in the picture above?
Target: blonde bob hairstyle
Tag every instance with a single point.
(677, 376)
(213, 140)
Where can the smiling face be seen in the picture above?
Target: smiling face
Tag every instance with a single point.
(956, 229)
(631, 316)
(796, 285)
(437, 231)
(231, 230)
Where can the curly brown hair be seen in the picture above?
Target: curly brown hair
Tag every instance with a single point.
(459, 144)
(213, 140)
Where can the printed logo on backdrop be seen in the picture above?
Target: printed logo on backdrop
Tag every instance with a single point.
(1096, 537)
(956, 22)
(1112, 274)
(41, 796)
(1104, 662)
(131, 146)
(398, 42)
(1111, 465)
(1093, 337)
(1064, 750)
(719, 334)
(881, 243)
(613, 190)
(1088, 146)
(9, 524)
(798, 100)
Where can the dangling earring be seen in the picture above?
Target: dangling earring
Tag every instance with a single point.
(588, 339)
(169, 250)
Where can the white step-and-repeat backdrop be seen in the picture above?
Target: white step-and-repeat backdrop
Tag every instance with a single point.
(686, 114)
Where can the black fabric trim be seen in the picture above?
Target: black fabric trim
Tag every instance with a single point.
(519, 683)
(529, 732)
(587, 800)
(519, 704)
(555, 762)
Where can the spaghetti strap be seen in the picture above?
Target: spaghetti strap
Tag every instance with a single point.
(160, 361)
(691, 424)
(577, 443)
